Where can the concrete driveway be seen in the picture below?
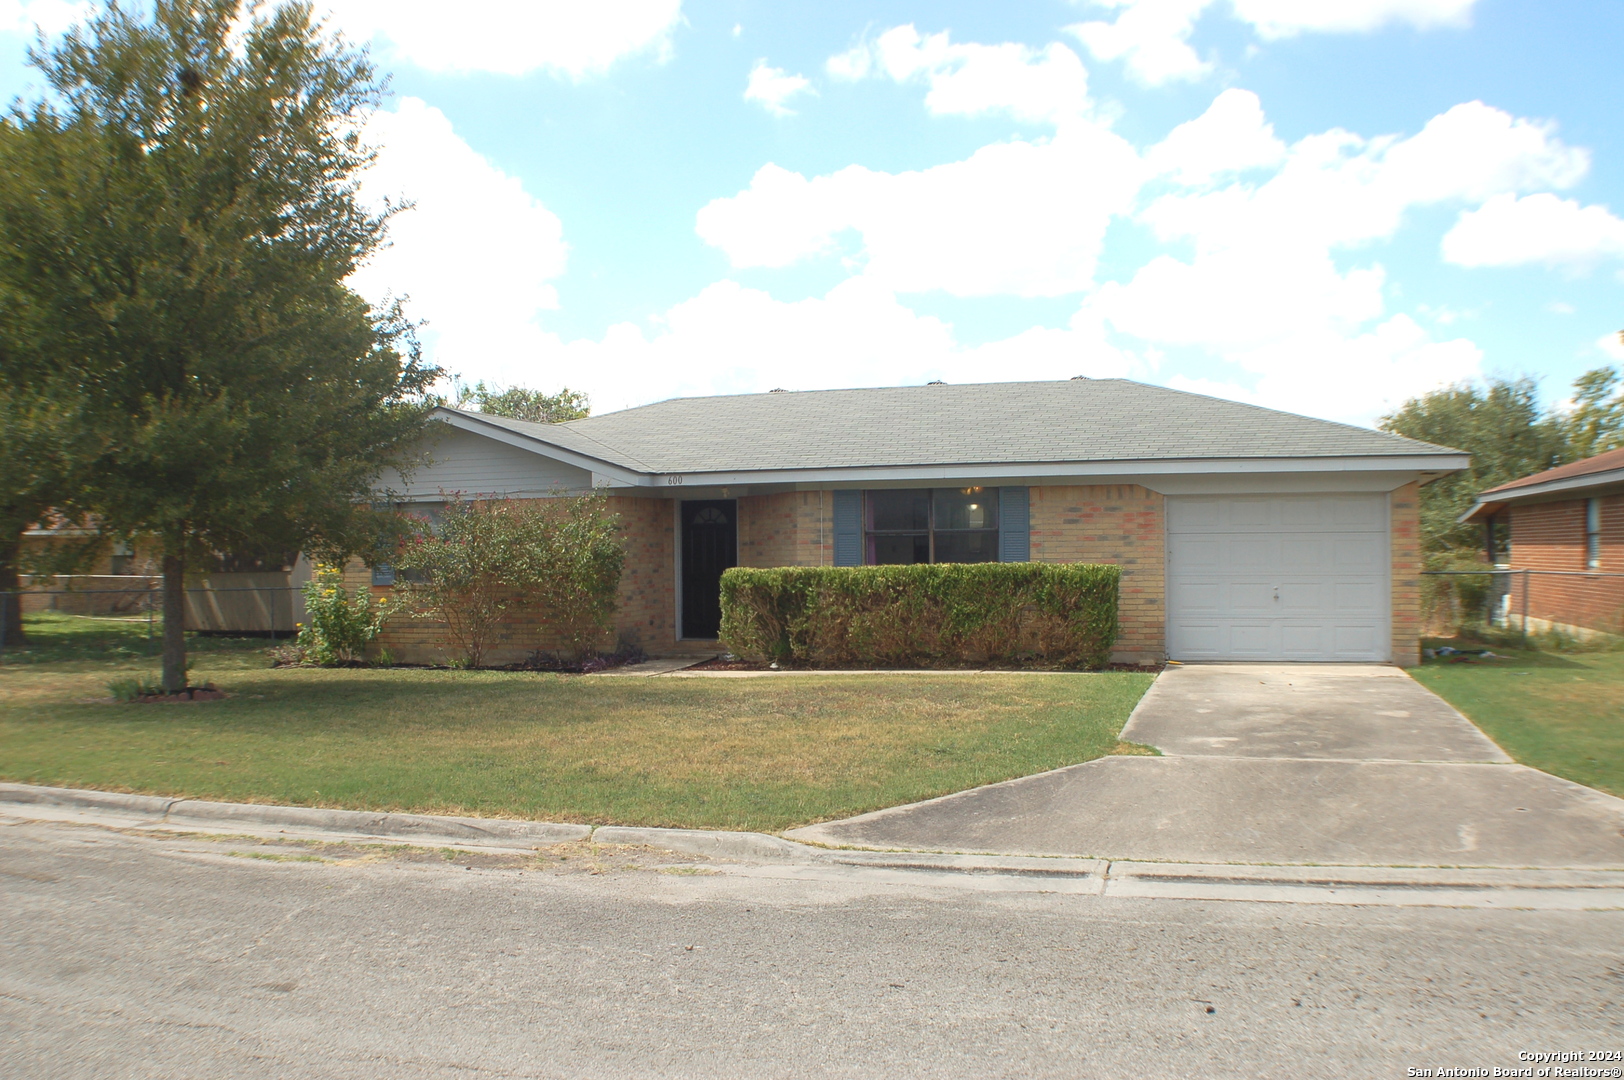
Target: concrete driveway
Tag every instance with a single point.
(1304, 763)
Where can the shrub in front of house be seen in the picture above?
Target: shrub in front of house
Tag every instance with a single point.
(925, 615)
(339, 625)
(492, 568)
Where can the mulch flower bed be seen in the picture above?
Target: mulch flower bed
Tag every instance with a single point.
(721, 663)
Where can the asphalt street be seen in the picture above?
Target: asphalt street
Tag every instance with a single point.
(132, 955)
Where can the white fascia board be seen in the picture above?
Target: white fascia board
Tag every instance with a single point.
(1434, 463)
(1556, 487)
(600, 469)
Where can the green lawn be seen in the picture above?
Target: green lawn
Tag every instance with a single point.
(764, 753)
(1560, 712)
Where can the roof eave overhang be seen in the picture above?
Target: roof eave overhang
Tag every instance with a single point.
(850, 476)
(1569, 485)
(1481, 511)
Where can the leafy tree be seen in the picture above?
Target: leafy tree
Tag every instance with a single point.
(1503, 427)
(517, 403)
(1596, 422)
(178, 216)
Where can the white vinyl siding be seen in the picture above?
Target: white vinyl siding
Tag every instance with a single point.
(472, 466)
(1278, 577)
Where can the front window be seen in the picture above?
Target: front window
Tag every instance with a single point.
(921, 525)
(1593, 534)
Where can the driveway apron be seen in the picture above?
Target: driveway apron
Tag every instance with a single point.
(1334, 764)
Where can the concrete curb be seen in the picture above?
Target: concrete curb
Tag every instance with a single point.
(423, 827)
(1569, 889)
(83, 799)
(727, 845)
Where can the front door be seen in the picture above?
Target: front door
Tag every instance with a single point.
(710, 544)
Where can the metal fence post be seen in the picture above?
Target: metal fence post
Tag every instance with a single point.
(1526, 575)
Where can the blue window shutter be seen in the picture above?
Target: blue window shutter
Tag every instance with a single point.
(383, 574)
(1014, 525)
(848, 528)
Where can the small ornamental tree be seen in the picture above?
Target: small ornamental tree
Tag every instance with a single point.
(469, 570)
(486, 563)
(580, 571)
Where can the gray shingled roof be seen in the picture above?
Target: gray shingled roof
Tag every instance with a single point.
(1079, 420)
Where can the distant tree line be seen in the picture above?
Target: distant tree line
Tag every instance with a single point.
(1501, 423)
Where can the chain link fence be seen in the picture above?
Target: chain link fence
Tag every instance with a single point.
(1577, 603)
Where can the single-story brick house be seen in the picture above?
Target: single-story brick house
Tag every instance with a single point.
(1243, 533)
(1567, 523)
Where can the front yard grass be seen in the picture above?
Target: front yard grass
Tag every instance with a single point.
(1560, 712)
(761, 753)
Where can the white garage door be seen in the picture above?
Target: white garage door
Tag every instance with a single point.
(1278, 577)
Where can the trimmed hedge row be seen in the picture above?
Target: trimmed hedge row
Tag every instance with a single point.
(925, 615)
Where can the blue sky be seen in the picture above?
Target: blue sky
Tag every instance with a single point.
(1318, 206)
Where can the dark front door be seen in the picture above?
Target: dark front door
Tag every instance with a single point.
(710, 544)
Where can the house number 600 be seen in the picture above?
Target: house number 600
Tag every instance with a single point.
(673, 481)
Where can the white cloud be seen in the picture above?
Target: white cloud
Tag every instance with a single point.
(1231, 136)
(1508, 231)
(1018, 218)
(50, 17)
(732, 339)
(511, 37)
(477, 253)
(1611, 346)
(1269, 229)
(772, 87)
(1046, 85)
(1152, 37)
(1264, 289)
(1352, 378)
(1286, 18)
(1339, 189)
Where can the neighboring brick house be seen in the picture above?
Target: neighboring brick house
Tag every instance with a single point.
(1243, 533)
(1567, 524)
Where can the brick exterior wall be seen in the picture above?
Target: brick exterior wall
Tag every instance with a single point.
(647, 605)
(1404, 517)
(1123, 524)
(790, 528)
(1551, 536)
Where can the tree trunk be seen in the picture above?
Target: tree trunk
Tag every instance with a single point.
(11, 601)
(174, 624)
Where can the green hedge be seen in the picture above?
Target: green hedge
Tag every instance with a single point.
(937, 615)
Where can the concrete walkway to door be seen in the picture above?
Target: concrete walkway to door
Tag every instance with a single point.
(1332, 764)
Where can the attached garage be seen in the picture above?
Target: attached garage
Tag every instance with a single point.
(1278, 577)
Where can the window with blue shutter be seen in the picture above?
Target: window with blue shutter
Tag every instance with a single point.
(1015, 528)
(848, 528)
